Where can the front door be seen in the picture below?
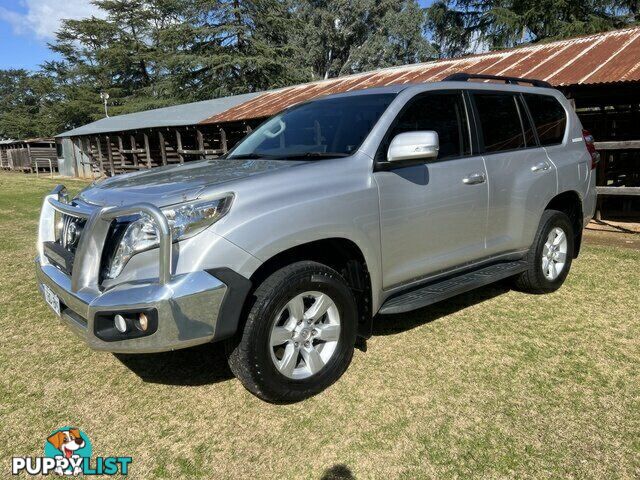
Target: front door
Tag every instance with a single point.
(433, 214)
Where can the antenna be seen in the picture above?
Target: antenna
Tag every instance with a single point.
(105, 96)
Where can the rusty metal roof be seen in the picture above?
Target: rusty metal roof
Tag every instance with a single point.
(601, 58)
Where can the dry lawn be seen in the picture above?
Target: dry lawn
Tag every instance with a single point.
(494, 384)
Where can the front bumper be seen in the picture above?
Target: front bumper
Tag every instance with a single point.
(183, 309)
(188, 308)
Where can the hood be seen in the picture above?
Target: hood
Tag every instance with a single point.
(176, 183)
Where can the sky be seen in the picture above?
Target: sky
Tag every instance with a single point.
(27, 25)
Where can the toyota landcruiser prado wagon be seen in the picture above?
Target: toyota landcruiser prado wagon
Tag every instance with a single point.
(334, 211)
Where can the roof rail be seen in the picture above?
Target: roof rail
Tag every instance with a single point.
(463, 77)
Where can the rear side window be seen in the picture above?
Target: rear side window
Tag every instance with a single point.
(500, 121)
(443, 113)
(549, 117)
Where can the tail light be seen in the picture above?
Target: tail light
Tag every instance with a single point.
(591, 148)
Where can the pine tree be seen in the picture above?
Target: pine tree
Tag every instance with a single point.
(232, 46)
(152, 53)
(120, 54)
(348, 36)
(460, 26)
(26, 102)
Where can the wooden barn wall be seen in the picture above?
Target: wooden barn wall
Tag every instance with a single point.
(120, 152)
(29, 156)
(612, 114)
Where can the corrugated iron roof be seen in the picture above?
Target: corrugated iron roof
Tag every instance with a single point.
(176, 116)
(601, 58)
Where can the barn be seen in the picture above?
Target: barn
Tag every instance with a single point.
(600, 74)
(29, 155)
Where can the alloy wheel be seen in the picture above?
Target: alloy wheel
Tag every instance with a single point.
(305, 335)
(554, 254)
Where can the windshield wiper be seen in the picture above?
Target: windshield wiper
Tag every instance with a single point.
(250, 156)
(304, 155)
(291, 156)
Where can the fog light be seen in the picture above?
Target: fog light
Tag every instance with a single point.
(120, 323)
(142, 322)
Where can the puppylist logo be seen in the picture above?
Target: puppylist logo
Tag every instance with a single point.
(67, 451)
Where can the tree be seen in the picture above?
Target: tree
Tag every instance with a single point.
(26, 102)
(120, 54)
(349, 36)
(231, 46)
(462, 25)
(153, 53)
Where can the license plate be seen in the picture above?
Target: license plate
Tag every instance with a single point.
(52, 299)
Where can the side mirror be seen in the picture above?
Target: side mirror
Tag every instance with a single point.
(414, 146)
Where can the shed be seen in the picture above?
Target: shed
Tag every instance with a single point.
(600, 73)
(29, 155)
(151, 138)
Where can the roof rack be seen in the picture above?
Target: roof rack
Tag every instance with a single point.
(463, 77)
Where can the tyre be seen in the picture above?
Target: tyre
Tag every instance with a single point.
(550, 256)
(299, 334)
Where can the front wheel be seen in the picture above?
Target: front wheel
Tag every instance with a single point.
(299, 334)
(550, 255)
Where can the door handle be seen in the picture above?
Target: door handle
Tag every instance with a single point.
(474, 178)
(541, 167)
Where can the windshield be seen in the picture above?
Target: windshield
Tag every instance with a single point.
(334, 127)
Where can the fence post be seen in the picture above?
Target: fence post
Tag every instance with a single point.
(163, 148)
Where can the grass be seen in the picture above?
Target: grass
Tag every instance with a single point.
(493, 384)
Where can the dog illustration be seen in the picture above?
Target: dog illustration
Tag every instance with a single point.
(67, 441)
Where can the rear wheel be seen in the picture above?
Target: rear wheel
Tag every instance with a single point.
(299, 334)
(550, 255)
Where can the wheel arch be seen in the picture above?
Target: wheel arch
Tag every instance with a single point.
(570, 202)
(339, 253)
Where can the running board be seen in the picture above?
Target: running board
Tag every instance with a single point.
(443, 289)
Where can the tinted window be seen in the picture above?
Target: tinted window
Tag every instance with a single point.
(549, 117)
(500, 121)
(529, 135)
(318, 128)
(441, 112)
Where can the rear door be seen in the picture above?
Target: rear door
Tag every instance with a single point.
(522, 178)
(431, 218)
(560, 133)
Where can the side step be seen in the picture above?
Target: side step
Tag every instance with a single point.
(452, 286)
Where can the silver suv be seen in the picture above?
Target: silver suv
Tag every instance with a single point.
(347, 207)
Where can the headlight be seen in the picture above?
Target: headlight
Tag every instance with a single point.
(189, 219)
(185, 221)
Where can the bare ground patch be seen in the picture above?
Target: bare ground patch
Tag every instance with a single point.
(613, 233)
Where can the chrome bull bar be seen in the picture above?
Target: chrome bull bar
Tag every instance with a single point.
(86, 267)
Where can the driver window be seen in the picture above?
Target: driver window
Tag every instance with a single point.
(443, 113)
